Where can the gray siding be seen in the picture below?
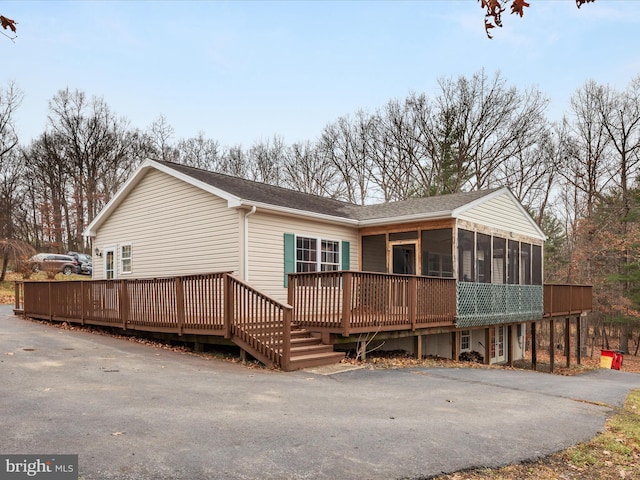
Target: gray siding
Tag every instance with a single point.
(174, 229)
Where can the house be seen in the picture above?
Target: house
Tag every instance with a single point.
(481, 250)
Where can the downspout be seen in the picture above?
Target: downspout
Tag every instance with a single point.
(246, 242)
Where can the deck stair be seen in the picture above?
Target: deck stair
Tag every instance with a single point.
(307, 350)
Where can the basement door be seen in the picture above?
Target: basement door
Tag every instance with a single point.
(498, 335)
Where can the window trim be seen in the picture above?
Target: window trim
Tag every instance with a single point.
(465, 334)
(318, 250)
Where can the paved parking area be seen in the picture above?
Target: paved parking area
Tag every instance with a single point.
(133, 411)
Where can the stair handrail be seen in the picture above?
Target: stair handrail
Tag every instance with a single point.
(268, 350)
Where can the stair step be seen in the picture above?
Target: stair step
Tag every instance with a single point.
(297, 342)
(300, 333)
(310, 349)
(315, 360)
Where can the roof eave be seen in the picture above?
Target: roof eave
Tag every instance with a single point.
(294, 212)
(376, 222)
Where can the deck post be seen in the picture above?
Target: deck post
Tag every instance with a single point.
(413, 301)
(534, 353)
(50, 301)
(291, 289)
(286, 340)
(567, 340)
(418, 346)
(487, 346)
(455, 348)
(124, 303)
(228, 306)
(510, 336)
(180, 304)
(82, 312)
(347, 280)
(17, 295)
(579, 339)
(552, 343)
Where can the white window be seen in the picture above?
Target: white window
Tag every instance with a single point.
(465, 340)
(317, 255)
(126, 257)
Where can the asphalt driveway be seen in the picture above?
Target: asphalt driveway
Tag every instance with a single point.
(133, 411)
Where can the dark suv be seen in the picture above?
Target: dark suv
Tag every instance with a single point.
(85, 261)
(53, 262)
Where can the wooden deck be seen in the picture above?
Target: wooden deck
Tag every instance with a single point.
(286, 335)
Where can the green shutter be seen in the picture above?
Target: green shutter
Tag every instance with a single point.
(289, 256)
(346, 255)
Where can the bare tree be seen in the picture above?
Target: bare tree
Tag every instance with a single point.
(396, 152)
(199, 152)
(587, 165)
(92, 143)
(486, 123)
(10, 100)
(305, 170)
(345, 145)
(50, 184)
(234, 162)
(160, 135)
(265, 161)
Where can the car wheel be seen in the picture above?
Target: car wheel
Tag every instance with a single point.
(67, 270)
(36, 267)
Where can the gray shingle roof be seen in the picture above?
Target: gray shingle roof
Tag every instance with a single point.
(282, 197)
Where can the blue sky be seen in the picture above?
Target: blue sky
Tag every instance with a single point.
(245, 71)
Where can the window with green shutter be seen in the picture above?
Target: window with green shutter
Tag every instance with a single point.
(309, 254)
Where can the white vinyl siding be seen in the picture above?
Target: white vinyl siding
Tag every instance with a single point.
(266, 247)
(503, 214)
(176, 228)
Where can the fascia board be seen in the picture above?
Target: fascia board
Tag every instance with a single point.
(376, 222)
(293, 212)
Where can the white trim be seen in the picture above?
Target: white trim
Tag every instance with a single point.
(246, 242)
(318, 250)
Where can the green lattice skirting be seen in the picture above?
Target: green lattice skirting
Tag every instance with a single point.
(481, 304)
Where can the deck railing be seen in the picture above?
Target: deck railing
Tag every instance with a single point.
(209, 304)
(255, 320)
(340, 302)
(349, 302)
(567, 300)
